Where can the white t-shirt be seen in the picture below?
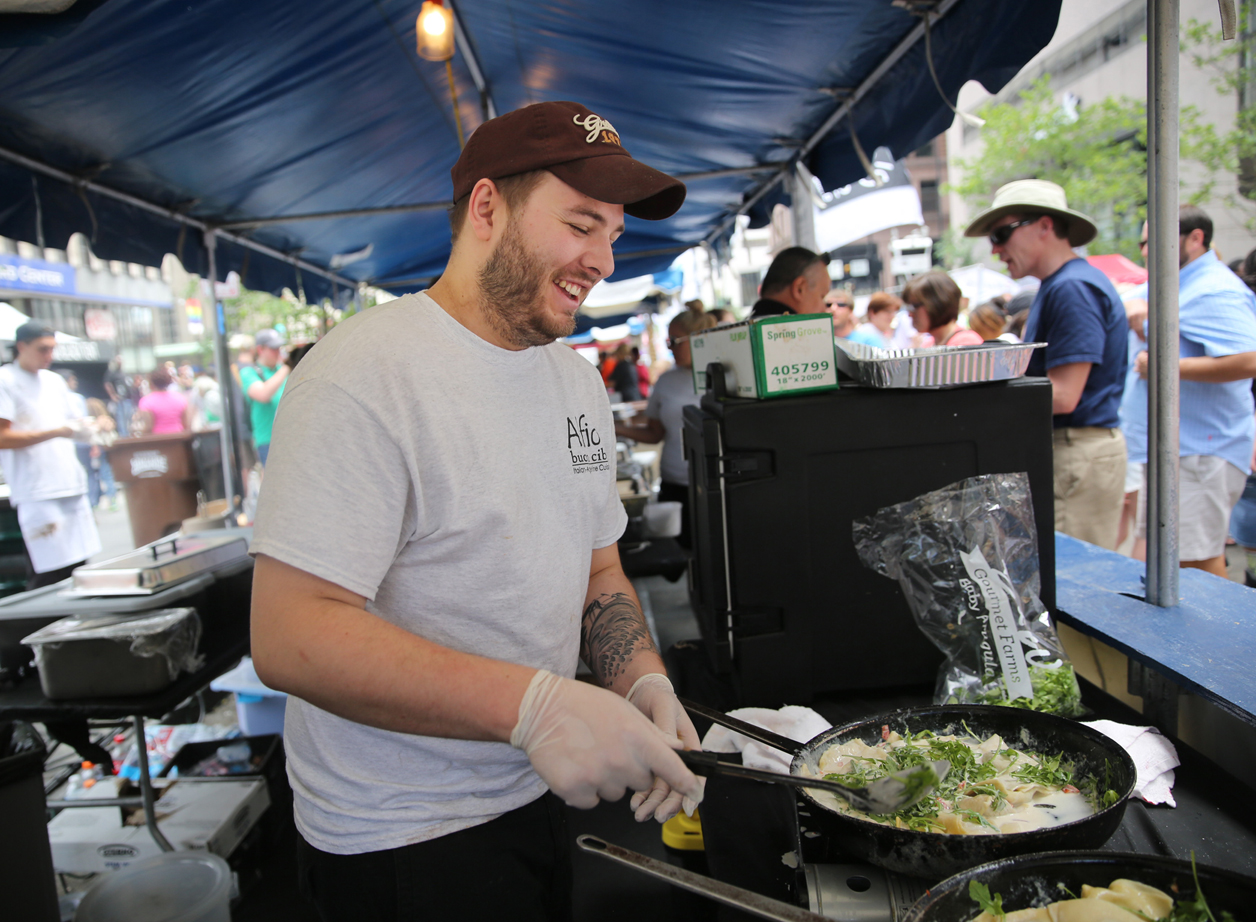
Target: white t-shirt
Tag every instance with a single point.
(462, 489)
(34, 403)
(669, 396)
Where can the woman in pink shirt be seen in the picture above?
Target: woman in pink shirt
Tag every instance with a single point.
(168, 410)
(934, 299)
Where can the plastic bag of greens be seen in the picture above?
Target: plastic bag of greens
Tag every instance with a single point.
(967, 558)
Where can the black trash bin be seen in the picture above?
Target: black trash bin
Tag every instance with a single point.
(28, 890)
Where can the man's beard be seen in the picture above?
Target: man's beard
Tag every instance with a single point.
(514, 289)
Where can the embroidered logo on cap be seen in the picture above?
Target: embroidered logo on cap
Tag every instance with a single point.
(597, 127)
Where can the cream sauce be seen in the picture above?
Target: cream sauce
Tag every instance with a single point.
(1022, 806)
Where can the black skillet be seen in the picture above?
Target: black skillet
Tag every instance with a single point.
(1036, 880)
(933, 855)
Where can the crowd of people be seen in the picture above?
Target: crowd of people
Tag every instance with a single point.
(1095, 358)
(426, 617)
(185, 398)
(54, 441)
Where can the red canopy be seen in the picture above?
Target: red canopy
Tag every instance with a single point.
(1119, 269)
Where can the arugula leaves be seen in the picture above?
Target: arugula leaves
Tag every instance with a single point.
(1055, 691)
(1196, 910)
(1047, 772)
(980, 894)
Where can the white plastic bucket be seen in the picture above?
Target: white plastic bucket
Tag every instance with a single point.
(172, 887)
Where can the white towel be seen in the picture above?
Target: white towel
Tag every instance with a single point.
(1153, 755)
(797, 723)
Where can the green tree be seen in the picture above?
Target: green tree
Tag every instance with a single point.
(1231, 66)
(256, 310)
(954, 250)
(1096, 152)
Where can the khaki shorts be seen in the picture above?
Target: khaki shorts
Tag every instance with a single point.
(1089, 468)
(1208, 488)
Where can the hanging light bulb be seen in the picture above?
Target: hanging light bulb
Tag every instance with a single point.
(433, 23)
(434, 31)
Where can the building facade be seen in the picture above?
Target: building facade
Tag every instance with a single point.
(109, 308)
(1099, 51)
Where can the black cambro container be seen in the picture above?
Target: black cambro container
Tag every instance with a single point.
(28, 890)
(784, 604)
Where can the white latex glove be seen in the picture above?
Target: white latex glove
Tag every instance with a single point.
(588, 743)
(656, 699)
(81, 430)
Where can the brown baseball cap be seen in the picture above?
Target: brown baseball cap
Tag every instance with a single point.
(580, 148)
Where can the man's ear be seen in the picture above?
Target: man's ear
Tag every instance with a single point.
(798, 288)
(485, 209)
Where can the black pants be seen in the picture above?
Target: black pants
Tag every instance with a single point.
(678, 493)
(517, 867)
(52, 576)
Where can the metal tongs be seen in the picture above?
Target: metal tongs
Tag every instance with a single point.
(885, 795)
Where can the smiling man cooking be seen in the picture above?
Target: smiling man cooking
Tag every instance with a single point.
(436, 546)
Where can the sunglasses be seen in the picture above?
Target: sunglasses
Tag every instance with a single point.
(1142, 243)
(1001, 235)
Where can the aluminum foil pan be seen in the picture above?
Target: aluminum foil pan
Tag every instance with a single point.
(940, 366)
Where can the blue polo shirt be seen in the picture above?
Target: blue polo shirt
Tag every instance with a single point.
(1216, 317)
(1134, 400)
(1078, 314)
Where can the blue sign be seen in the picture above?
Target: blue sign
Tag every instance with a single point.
(36, 275)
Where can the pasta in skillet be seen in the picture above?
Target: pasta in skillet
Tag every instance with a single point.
(991, 788)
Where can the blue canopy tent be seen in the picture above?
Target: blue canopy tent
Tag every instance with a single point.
(308, 145)
(253, 117)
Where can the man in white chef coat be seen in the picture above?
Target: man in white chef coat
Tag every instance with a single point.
(48, 485)
(436, 547)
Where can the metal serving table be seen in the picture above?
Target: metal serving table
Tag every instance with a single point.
(224, 640)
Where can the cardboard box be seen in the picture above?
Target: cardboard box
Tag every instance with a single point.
(772, 357)
(203, 814)
(730, 346)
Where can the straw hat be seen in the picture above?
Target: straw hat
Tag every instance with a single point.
(1034, 196)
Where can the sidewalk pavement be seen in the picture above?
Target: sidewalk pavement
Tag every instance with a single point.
(115, 529)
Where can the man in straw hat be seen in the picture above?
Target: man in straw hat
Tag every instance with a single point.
(1079, 315)
(436, 547)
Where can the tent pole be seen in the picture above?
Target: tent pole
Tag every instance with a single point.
(83, 186)
(225, 382)
(802, 211)
(1162, 346)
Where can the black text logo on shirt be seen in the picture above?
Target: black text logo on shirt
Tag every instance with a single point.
(585, 446)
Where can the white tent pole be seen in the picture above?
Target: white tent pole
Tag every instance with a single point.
(802, 211)
(226, 384)
(1162, 346)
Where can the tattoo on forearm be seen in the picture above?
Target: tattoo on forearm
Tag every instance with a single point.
(612, 632)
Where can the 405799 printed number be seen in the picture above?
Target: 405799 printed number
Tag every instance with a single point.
(801, 368)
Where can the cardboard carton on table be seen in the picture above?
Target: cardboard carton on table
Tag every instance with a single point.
(207, 815)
